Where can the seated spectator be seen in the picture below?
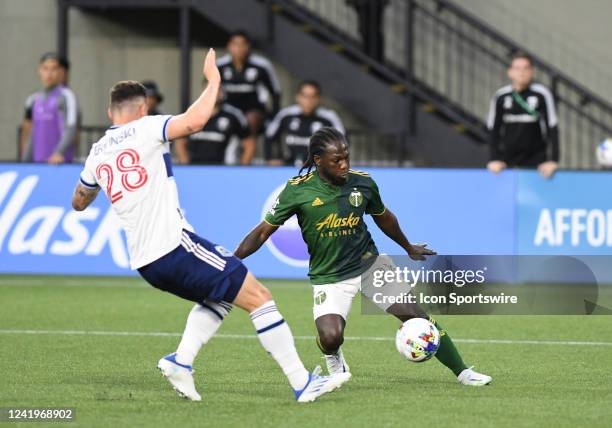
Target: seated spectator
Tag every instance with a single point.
(523, 123)
(50, 122)
(288, 135)
(218, 142)
(153, 97)
(248, 81)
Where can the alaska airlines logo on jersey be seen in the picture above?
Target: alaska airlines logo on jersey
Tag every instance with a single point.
(286, 244)
(355, 198)
(332, 221)
(37, 236)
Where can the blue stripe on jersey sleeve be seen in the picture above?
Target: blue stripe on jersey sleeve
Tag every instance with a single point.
(86, 184)
(164, 136)
(168, 162)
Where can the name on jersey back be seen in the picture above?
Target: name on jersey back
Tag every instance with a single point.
(112, 140)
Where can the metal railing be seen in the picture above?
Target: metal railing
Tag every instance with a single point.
(557, 46)
(88, 135)
(368, 148)
(444, 57)
(460, 61)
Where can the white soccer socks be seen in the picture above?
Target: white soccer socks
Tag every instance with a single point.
(202, 323)
(276, 338)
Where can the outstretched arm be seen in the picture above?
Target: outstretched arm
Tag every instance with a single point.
(200, 111)
(387, 222)
(254, 240)
(83, 196)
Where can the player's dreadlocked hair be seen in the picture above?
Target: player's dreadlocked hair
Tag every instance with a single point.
(318, 142)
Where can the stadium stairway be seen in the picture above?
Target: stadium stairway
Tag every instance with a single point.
(441, 68)
(374, 92)
(432, 89)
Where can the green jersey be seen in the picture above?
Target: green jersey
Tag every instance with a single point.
(331, 221)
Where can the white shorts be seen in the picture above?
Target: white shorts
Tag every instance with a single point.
(337, 297)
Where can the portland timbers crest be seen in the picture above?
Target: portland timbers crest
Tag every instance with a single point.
(320, 297)
(355, 198)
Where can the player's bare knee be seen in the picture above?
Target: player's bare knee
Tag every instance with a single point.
(252, 294)
(331, 341)
(264, 294)
(331, 337)
(259, 293)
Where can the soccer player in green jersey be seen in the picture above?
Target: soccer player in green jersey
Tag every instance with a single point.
(330, 203)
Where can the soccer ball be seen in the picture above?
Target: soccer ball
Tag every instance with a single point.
(417, 340)
(604, 153)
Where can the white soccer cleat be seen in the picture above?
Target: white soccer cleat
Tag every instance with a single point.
(180, 377)
(470, 377)
(318, 385)
(336, 363)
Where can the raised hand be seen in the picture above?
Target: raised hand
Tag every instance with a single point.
(210, 70)
(548, 168)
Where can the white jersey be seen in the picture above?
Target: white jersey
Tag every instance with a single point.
(132, 165)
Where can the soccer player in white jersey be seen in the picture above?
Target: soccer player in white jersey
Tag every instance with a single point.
(131, 164)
